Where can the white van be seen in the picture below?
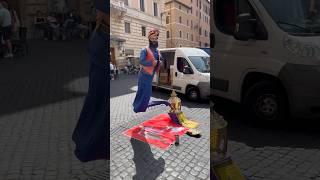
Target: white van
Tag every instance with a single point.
(185, 70)
(267, 56)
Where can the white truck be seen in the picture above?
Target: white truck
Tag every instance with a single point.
(185, 70)
(267, 56)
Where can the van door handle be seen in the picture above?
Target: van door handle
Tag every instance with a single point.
(176, 74)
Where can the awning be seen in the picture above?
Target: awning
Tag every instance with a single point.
(116, 38)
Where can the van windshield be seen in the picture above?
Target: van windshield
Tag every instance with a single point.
(201, 63)
(297, 17)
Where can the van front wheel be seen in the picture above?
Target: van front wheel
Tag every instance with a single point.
(266, 101)
(193, 94)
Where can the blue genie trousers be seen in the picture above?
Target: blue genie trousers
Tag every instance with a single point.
(141, 101)
(143, 97)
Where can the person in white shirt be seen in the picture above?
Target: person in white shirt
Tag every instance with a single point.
(111, 71)
(6, 25)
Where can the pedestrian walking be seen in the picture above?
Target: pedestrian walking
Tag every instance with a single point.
(111, 71)
(6, 25)
(91, 133)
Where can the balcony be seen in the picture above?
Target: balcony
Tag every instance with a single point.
(118, 8)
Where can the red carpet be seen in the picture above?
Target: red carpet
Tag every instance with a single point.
(159, 131)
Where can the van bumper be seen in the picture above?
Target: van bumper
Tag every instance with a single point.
(204, 88)
(302, 83)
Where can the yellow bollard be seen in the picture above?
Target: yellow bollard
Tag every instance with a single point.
(223, 168)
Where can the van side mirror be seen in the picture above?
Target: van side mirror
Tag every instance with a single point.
(245, 27)
(187, 70)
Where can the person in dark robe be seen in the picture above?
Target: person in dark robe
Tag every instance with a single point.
(91, 134)
(150, 61)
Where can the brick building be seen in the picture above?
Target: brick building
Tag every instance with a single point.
(187, 23)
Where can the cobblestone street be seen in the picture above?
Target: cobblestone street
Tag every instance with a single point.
(189, 160)
(274, 151)
(41, 96)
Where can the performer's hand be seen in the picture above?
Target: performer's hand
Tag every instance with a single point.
(154, 63)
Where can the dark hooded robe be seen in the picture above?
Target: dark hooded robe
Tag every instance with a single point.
(91, 133)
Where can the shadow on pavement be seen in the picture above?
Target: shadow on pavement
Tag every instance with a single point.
(147, 167)
(43, 76)
(296, 133)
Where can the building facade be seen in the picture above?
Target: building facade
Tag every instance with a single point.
(187, 23)
(130, 23)
(27, 10)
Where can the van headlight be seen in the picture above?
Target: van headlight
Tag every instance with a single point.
(301, 49)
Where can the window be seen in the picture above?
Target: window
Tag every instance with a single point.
(142, 5)
(180, 19)
(187, 35)
(191, 37)
(191, 1)
(199, 43)
(168, 19)
(168, 34)
(225, 13)
(127, 27)
(197, 2)
(180, 7)
(143, 30)
(187, 22)
(180, 33)
(182, 63)
(191, 10)
(200, 31)
(205, 33)
(200, 4)
(199, 15)
(126, 2)
(155, 9)
(206, 44)
(180, 45)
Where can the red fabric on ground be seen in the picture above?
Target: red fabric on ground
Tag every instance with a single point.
(159, 131)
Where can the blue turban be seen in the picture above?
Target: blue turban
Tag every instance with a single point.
(102, 5)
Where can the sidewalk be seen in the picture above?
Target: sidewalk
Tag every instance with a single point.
(134, 159)
(41, 96)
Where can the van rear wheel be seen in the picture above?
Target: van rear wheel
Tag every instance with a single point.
(266, 101)
(193, 94)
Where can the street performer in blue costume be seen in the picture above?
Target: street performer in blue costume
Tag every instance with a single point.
(91, 133)
(150, 61)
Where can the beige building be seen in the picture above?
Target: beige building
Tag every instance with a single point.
(130, 22)
(187, 23)
(27, 10)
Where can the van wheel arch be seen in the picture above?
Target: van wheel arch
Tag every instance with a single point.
(260, 80)
(192, 92)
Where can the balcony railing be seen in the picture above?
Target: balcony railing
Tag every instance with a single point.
(118, 5)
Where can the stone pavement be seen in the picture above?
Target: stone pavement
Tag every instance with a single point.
(276, 163)
(132, 159)
(41, 96)
(273, 151)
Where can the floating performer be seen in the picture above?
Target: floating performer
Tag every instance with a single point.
(150, 61)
